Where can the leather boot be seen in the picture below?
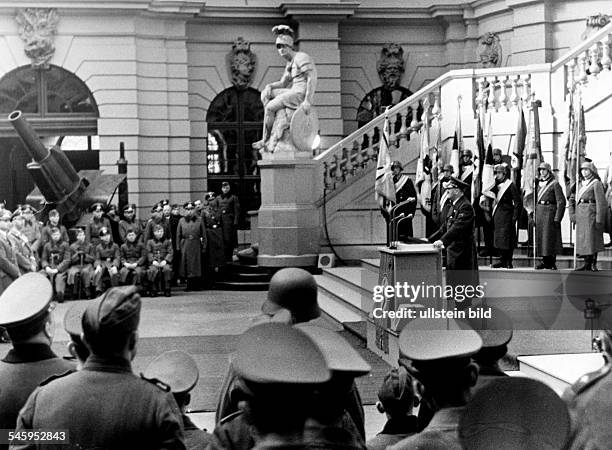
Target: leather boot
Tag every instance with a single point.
(594, 267)
(587, 264)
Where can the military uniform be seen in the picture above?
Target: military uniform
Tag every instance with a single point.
(105, 405)
(180, 373)
(81, 260)
(588, 209)
(395, 430)
(25, 366)
(46, 233)
(507, 208)
(281, 376)
(457, 235)
(92, 231)
(107, 256)
(550, 209)
(148, 232)
(191, 241)
(135, 225)
(515, 412)
(9, 270)
(228, 208)
(439, 348)
(215, 251)
(32, 230)
(25, 256)
(56, 255)
(132, 252)
(160, 250)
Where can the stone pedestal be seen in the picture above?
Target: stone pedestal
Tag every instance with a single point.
(288, 220)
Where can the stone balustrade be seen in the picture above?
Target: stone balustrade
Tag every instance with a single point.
(499, 89)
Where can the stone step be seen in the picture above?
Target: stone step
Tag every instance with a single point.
(336, 310)
(343, 292)
(559, 371)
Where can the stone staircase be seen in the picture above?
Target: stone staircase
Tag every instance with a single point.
(557, 355)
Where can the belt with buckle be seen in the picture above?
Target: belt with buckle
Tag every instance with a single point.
(544, 202)
(587, 201)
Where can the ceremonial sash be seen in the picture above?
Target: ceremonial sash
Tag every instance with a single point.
(501, 189)
(545, 189)
(400, 182)
(467, 172)
(584, 188)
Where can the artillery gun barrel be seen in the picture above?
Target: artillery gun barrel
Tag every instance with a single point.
(35, 148)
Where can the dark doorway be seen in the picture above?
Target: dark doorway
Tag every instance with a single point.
(235, 120)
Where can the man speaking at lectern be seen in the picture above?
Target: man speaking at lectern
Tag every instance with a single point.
(456, 235)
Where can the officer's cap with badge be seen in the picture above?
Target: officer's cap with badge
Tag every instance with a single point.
(454, 182)
(188, 205)
(278, 354)
(115, 314)
(104, 231)
(25, 305)
(438, 340)
(293, 289)
(157, 208)
(339, 355)
(515, 412)
(174, 368)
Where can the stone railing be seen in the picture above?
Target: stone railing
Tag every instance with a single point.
(498, 89)
(352, 155)
(588, 60)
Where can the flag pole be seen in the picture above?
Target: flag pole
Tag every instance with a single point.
(577, 172)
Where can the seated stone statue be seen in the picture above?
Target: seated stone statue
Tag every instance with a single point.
(282, 98)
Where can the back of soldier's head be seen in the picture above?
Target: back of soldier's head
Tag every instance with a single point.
(110, 322)
(295, 290)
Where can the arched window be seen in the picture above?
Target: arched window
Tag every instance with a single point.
(234, 119)
(62, 111)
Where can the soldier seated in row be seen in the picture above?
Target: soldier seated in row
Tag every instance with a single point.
(55, 262)
(107, 261)
(81, 269)
(159, 251)
(133, 258)
(53, 221)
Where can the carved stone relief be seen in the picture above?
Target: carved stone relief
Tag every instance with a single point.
(595, 23)
(37, 29)
(390, 67)
(490, 51)
(241, 63)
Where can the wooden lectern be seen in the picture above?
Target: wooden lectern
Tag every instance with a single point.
(416, 265)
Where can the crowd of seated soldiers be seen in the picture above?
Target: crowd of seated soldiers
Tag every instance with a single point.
(114, 248)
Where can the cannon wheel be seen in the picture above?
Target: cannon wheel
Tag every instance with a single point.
(304, 128)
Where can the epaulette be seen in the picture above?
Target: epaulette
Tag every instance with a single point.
(160, 384)
(55, 377)
(587, 380)
(230, 417)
